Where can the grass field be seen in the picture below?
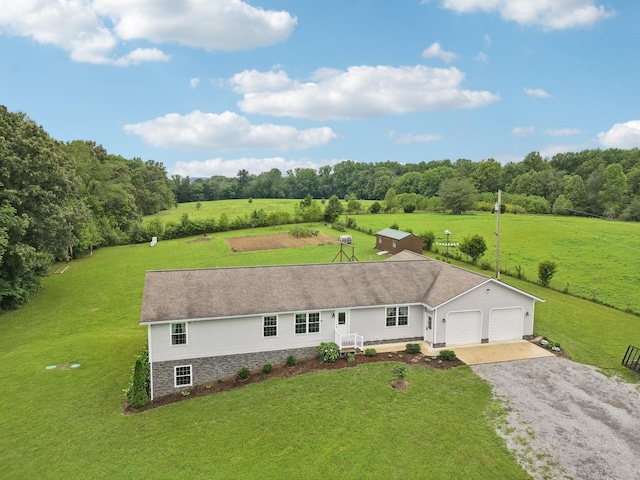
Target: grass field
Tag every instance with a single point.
(596, 258)
(66, 423)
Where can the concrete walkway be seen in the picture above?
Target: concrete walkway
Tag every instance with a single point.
(500, 352)
(477, 354)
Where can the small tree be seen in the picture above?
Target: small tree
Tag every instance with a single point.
(546, 270)
(427, 239)
(473, 247)
(457, 194)
(137, 394)
(354, 205)
(333, 209)
(390, 200)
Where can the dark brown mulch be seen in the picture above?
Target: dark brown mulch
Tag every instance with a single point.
(304, 365)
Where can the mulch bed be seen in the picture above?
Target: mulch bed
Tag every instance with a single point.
(304, 365)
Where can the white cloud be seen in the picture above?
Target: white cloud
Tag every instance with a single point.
(140, 55)
(253, 81)
(91, 31)
(482, 57)
(487, 40)
(408, 138)
(523, 131)
(435, 51)
(547, 14)
(536, 92)
(255, 166)
(194, 82)
(622, 135)
(226, 131)
(213, 24)
(360, 92)
(561, 132)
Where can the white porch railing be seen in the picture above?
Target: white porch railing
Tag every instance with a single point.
(349, 341)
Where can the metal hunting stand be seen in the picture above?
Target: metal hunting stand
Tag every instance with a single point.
(342, 254)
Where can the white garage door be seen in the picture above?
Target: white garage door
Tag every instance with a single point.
(506, 324)
(464, 328)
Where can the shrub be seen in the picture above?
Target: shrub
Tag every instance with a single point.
(409, 208)
(351, 357)
(413, 348)
(375, 207)
(138, 396)
(267, 368)
(138, 390)
(447, 355)
(243, 373)
(350, 223)
(302, 232)
(291, 361)
(427, 239)
(370, 352)
(337, 227)
(546, 270)
(486, 265)
(328, 351)
(400, 371)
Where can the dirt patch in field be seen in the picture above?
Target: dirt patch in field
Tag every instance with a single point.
(276, 241)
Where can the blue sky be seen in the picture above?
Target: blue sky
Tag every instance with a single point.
(209, 87)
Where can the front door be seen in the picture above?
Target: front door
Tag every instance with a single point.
(342, 322)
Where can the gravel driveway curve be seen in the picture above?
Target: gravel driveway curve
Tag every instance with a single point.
(566, 420)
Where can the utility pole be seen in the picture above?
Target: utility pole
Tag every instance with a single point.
(498, 210)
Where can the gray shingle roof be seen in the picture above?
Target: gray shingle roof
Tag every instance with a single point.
(222, 292)
(393, 233)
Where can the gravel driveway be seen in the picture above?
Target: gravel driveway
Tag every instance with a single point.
(566, 420)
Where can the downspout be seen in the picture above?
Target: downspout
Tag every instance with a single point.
(150, 363)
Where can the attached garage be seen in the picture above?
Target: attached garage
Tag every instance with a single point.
(464, 328)
(506, 324)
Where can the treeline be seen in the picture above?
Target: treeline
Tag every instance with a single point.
(603, 183)
(59, 199)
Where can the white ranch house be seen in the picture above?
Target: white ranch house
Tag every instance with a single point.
(206, 324)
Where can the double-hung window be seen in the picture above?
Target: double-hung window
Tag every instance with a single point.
(178, 334)
(270, 326)
(307, 322)
(182, 376)
(397, 316)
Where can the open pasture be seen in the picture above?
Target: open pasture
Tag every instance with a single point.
(595, 258)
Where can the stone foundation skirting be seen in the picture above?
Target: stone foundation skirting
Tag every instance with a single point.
(210, 369)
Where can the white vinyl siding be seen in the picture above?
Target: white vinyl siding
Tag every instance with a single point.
(229, 336)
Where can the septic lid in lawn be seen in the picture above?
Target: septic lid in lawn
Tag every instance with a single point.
(75, 365)
(50, 367)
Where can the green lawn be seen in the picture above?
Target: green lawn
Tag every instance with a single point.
(67, 423)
